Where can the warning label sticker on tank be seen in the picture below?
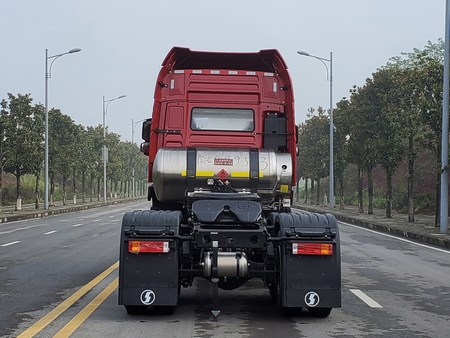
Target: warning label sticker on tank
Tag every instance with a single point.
(223, 161)
(222, 174)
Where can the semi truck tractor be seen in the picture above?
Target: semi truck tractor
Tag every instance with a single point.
(222, 151)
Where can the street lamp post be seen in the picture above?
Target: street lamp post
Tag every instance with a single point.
(330, 60)
(48, 75)
(444, 138)
(105, 148)
(133, 128)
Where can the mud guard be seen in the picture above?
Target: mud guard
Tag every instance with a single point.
(310, 281)
(149, 278)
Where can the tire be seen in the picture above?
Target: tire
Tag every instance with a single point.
(165, 309)
(291, 311)
(273, 290)
(320, 312)
(135, 309)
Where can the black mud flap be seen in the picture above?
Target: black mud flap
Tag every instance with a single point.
(306, 279)
(149, 278)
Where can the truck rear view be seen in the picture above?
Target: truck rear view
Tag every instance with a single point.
(222, 145)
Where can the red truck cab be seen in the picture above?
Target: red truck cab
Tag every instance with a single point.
(223, 100)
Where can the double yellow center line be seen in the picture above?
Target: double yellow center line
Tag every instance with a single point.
(83, 314)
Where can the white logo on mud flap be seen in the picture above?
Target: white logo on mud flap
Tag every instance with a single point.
(147, 297)
(312, 299)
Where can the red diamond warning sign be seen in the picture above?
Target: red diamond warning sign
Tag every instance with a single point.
(222, 174)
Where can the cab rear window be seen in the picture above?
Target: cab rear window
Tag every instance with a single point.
(222, 119)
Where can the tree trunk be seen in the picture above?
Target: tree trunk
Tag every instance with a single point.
(74, 182)
(370, 190)
(98, 189)
(341, 193)
(388, 193)
(411, 160)
(92, 189)
(318, 192)
(18, 192)
(360, 194)
(36, 193)
(83, 181)
(64, 189)
(438, 200)
(306, 191)
(52, 187)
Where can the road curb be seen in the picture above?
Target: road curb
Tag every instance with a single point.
(72, 208)
(416, 236)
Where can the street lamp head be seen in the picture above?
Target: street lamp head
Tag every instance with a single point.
(75, 50)
(122, 96)
(303, 53)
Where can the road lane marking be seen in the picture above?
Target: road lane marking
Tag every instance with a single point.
(50, 232)
(79, 319)
(56, 312)
(398, 238)
(24, 228)
(77, 225)
(365, 298)
(10, 243)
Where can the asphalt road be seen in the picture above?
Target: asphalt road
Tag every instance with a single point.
(390, 288)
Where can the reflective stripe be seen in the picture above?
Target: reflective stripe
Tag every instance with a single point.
(250, 73)
(240, 174)
(244, 174)
(200, 173)
(179, 71)
(197, 71)
(269, 74)
(215, 71)
(210, 173)
(204, 173)
(232, 72)
(172, 84)
(274, 87)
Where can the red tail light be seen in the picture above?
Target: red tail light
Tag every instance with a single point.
(137, 247)
(319, 249)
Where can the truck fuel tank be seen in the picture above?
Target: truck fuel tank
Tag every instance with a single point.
(178, 170)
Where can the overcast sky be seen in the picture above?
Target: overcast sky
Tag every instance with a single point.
(124, 43)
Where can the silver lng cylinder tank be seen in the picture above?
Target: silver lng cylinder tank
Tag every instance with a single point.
(232, 165)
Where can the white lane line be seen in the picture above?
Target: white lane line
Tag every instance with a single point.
(50, 232)
(10, 243)
(365, 298)
(77, 225)
(397, 238)
(24, 228)
(96, 220)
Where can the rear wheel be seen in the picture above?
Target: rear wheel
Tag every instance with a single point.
(165, 309)
(135, 309)
(320, 312)
(273, 290)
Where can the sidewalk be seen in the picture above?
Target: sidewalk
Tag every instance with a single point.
(422, 230)
(7, 214)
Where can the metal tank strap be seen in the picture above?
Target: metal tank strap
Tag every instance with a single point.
(191, 168)
(254, 170)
